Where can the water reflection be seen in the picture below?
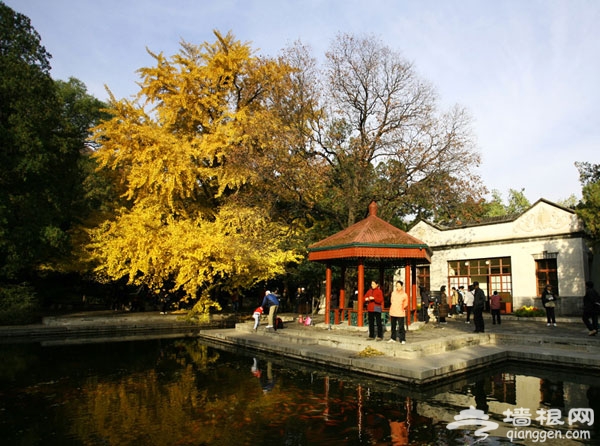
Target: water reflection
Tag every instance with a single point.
(188, 393)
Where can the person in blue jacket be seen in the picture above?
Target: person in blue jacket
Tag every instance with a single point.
(271, 302)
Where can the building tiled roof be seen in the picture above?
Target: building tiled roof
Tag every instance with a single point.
(485, 221)
(370, 238)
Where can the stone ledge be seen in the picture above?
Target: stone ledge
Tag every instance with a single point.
(422, 362)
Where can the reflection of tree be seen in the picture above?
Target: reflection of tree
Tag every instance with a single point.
(198, 353)
(188, 394)
(15, 360)
(139, 410)
(198, 404)
(135, 409)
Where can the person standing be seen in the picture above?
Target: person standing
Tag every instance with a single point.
(549, 302)
(461, 299)
(443, 307)
(335, 301)
(298, 300)
(591, 306)
(468, 302)
(454, 305)
(272, 303)
(424, 304)
(283, 301)
(235, 301)
(398, 307)
(495, 301)
(374, 301)
(478, 307)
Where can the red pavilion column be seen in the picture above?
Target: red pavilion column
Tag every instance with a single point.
(414, 290)
(408, 289)
(342, 295)
(361, 293)
(327, 293)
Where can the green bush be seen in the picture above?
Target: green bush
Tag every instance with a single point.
(18, 305)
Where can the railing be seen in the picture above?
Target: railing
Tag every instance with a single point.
(350, 315)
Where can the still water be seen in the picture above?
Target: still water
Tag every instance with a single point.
(185, 392)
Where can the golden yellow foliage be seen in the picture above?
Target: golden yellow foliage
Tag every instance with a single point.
(369, 352)
(197, 161)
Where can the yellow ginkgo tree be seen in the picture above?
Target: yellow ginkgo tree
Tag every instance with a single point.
(201, 156)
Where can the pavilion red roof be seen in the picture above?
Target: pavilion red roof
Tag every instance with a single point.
(371, 239)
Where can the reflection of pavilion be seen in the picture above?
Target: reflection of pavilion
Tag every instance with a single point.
(397, 414)
(374, 425)
(370, 243)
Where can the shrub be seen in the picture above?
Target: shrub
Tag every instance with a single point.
(530, 311)
(18, 305)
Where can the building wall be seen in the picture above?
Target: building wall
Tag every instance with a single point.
(545, 227)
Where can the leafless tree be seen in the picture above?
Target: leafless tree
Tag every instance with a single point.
(384, 137)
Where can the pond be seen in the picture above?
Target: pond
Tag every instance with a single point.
(186, 392)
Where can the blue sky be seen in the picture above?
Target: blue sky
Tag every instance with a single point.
(527, 71)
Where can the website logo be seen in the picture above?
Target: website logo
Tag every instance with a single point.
(551, 423)
(474, 417)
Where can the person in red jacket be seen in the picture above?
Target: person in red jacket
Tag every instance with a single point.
(374, 301)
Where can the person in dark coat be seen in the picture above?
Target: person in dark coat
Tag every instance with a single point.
(478, 307)
(549, 302)
(425, 302)
(443, 309)
(591, 307)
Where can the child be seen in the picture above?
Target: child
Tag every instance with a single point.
(431, 313)
(256, 315)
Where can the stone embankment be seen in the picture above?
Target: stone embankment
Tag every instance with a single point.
(433, 352)
(108, 326)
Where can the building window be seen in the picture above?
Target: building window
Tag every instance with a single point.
(423, 277)
(546, 272)
(493, 274)
(501, 283)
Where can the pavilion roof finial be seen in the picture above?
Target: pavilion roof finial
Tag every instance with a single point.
(373, 208)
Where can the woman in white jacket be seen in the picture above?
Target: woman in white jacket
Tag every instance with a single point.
(468, 300)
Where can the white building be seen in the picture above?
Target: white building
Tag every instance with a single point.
(516, 256)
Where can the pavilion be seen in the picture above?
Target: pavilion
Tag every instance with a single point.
(371, 243)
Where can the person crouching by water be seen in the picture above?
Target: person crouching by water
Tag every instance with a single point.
(398, 307)
(272, 303)
(374, 301)
(549, 302)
